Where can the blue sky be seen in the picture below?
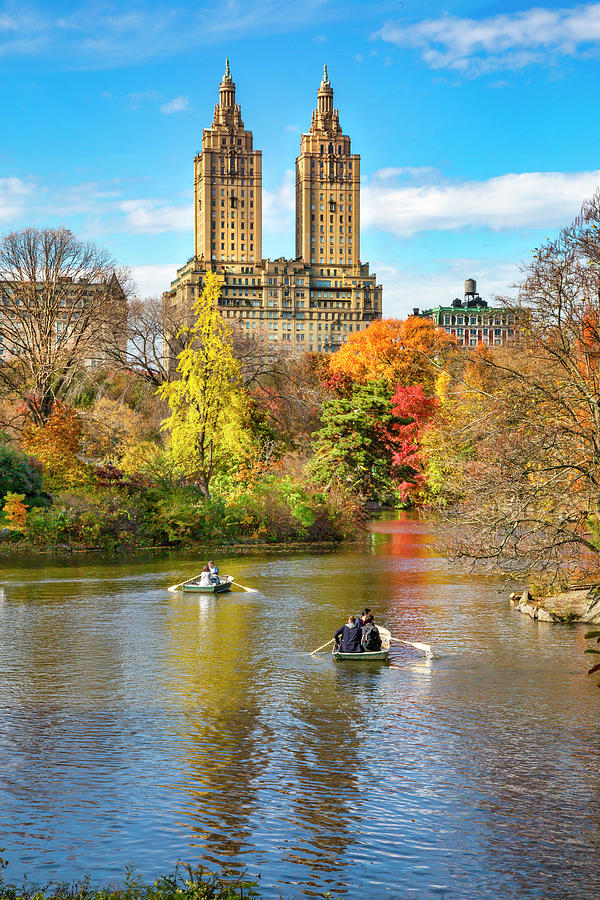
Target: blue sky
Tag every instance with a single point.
(476, 123)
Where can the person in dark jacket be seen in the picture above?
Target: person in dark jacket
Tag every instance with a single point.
(370, 638)
(362, 618)
(347, 638)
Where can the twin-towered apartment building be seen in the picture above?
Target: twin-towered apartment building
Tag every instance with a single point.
(313, 302)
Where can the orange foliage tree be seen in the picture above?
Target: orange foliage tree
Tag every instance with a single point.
(15, 511)
(395, 350)
(56, 444)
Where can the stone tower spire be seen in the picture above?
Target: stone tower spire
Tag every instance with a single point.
(227, 91)
(327, 189)
(325, 117)
(228, 186)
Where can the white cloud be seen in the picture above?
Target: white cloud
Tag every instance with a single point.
(152, 280)
(177, 104)
(279, 206)
(149, 216)
(14, 193)
(507, 41)
(527, 200)
(425, 287)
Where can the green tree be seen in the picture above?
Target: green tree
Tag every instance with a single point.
(209, 380)
(356, 442)
(20, 475)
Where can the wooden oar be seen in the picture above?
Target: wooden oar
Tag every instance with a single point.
(425, 648)
(175, 586)
(243, 586)
(323, 647)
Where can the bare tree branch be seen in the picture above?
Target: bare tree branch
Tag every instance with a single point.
(61, 301)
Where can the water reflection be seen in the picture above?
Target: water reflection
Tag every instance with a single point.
(212, 652)
(142, 726)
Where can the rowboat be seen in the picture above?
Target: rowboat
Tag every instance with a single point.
(368, 655)
(194, 587)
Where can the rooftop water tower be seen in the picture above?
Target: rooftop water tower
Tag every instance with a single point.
(470, 288)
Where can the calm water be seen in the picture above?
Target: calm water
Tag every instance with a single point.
(139, 726)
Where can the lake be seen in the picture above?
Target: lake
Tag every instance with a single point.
(143, 727)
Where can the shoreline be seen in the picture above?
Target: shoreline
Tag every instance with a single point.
(567, 608)
(21, 551)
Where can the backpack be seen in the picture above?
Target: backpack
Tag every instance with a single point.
(370, 638)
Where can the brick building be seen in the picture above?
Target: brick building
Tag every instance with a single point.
(472, 321)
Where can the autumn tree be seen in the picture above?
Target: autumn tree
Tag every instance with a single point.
(397, 351)
(527, 457)
(56, 444)
(209, 378)
(15, 511)
(413, 410)
(356, 442)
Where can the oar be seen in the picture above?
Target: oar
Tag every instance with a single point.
(175, 586)
(243, 586)
(425, 648)
(324, 645)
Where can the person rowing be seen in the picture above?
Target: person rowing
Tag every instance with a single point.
(214, 572)
(348, 637)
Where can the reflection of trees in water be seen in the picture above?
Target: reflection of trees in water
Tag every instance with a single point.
(225, 744)
(62, 747)
(406, 576)
(327, 733)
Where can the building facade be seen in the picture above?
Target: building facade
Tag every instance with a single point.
(472, 322)
(310, 303)
(83, 317)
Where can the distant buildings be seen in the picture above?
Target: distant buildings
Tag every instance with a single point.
(313, 302)
(471, 321)
(86, 318)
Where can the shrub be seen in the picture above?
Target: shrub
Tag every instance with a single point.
(20, 474)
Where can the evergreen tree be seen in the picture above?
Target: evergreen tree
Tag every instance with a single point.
(356, 442)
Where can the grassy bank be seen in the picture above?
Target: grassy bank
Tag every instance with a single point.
(184, 884)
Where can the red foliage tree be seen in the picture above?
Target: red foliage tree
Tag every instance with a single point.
(410, 403)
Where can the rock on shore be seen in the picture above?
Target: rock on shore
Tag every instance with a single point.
(572, 606)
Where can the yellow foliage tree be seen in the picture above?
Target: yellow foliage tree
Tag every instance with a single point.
(395, 350)
(208, 383)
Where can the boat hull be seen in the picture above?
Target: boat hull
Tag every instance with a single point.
(193, 588)
(365, 656)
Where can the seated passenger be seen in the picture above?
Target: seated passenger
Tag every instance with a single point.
(205, 579)
(361, 619)
(214, 572)
(347, 638)
(371, 639)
